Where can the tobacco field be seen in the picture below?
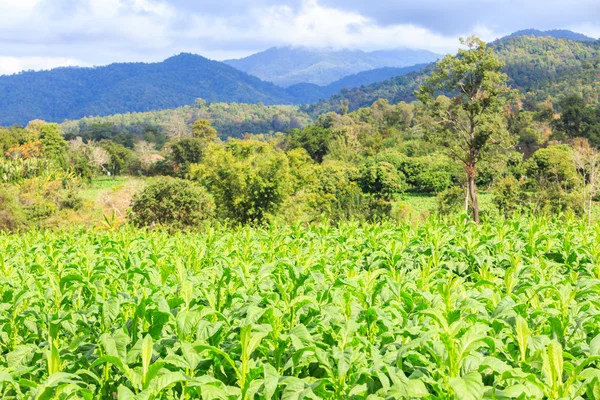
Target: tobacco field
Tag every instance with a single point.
(446, 310)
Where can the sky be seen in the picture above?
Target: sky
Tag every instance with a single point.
(43, 34)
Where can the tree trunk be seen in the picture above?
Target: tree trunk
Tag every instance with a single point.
(467, 199)
(473, 192)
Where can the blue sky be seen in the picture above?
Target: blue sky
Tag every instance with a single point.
(41, 34)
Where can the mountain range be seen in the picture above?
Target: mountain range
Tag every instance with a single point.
(73, 92)
(541, 67)
(542, 64)
(286, 66)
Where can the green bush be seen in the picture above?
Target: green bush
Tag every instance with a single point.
(451, 201)
(382, 180)
(249, 179)
(71, 201)
(12, 217)
(509, 196)
(173, 203)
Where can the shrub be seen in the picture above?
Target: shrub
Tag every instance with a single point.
(71, 201)
(172, 203)
(382, 180)
(12, 217)
(249, 179)
(451, 201)
(509, 196)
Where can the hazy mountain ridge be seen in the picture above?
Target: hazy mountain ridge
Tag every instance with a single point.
(287, 66)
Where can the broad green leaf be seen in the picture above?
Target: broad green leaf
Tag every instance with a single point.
(468, 387)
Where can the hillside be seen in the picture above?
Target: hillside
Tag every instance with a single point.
(71, 93)
(286, 66)
(555, 33)
(311, 93)
(541, 67)
(230, 119)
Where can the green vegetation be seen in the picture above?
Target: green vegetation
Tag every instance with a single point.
(447, 310)
(232, 251)
(543, 68)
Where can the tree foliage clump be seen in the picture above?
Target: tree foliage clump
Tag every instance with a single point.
(248, 178)
(172, 203)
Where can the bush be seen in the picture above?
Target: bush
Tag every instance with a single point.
(509, 196)
(248, 178)
(451, 201)
(174, 203)
(71, 201)
(382, 180)
(12, 217)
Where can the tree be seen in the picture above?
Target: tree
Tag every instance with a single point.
(248, 178)
(120, 157)
(187, 151)
(382, 179)
(314, 139)
(176, 128)
(202, 129)
(587, 162)
(174, 203)
(53, 144)
(469, 123)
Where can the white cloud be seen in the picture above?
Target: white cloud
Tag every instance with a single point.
(10, 65)
(45, 33)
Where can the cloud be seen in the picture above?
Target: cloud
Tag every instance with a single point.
(9, 65)
(41, 34)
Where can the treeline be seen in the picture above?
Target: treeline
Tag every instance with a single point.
(230, 120)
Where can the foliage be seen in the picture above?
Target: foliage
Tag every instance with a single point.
(470, 122)
(445, 310)
(451, 201)
(314, 139)
(172, 203)
(382, 179)
(202, 129)
(187, 151)
(12, 216)
(229, 119)
(249, 179)
(121, 159)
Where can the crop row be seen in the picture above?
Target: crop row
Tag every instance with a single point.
(442, 311)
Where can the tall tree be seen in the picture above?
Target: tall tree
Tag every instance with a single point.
(471, 121)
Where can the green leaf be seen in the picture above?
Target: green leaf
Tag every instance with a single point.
(468, 387)
(146, 358)
(271, 380)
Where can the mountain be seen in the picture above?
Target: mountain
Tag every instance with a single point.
(311, 93)
(555, 33)
(286, 66)
(72, 93)
(541, 67)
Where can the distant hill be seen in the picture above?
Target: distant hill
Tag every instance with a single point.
(287, 66)
(312, 93)
(72, 93)
(555, 33)
(541, 67)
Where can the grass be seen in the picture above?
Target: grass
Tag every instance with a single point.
(102, 185)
